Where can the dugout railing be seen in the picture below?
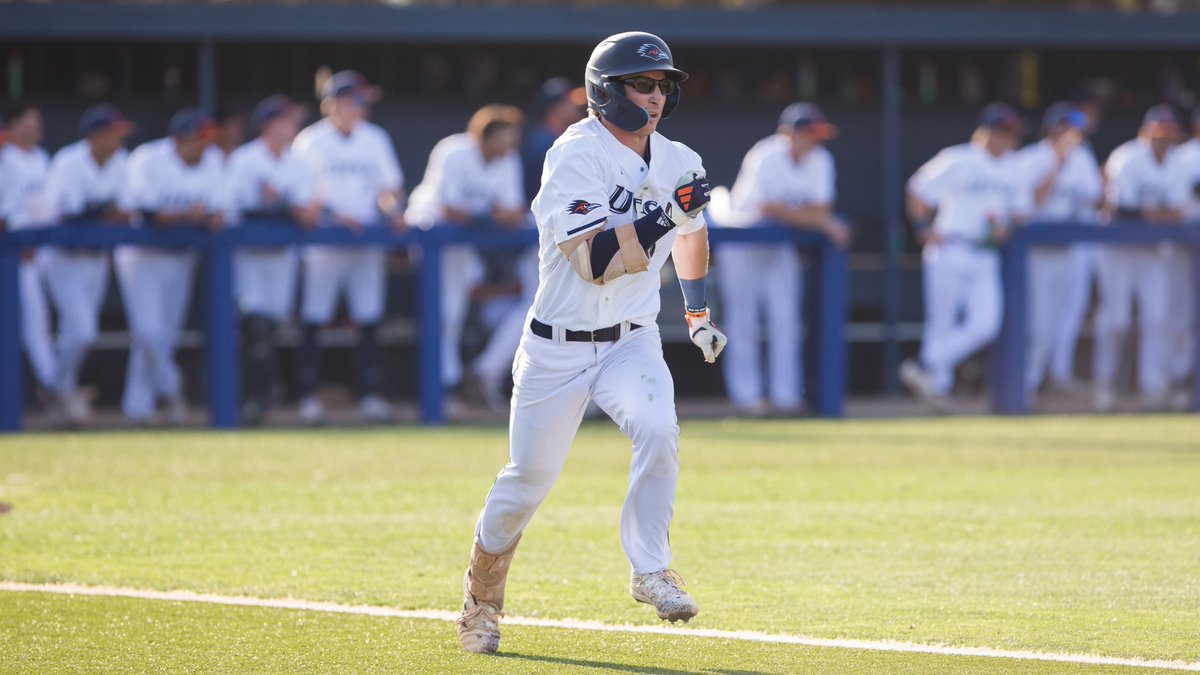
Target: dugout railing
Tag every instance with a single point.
(1007, 381)
(826, 314)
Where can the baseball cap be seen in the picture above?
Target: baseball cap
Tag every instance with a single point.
(104, 117)
(1161, 121)
(555, 90)
(1001, 116)
(349, 83)
(808, 117)
(192, 122)
(271, 107)
(1064, 114)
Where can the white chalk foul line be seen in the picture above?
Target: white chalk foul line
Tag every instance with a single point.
(575, 624)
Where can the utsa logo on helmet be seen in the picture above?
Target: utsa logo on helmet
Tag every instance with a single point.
(580, 207)
(652, 52)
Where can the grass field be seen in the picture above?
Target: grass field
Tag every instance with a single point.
(1059, 535)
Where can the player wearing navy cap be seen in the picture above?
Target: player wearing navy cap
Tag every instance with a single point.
(88, 186)
(963, 202)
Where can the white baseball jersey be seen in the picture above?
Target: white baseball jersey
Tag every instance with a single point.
(24, 199)
(252, 166)
(457, 177)
(1075, 193)
(1187, 161)
(970, 187)
(161, 181)
(770, 174)
(592, 182)
(1136, 180)
(350, 171)
(77, 184)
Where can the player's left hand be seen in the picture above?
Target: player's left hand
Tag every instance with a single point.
(705, 334)
(689, 198)
(398, 223)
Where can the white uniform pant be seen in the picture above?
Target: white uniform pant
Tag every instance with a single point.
(156, 287)
(762, 285)
(1131, 272)
(77, 287)
(963, 307)
(1180, 330)
(265, 280)
(35, 324)
(553, 384)
(497, 358)
(1083, 261)
(1048, 295)
(462, 270)
(361, 272)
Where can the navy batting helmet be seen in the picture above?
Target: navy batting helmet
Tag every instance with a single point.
(627, 54)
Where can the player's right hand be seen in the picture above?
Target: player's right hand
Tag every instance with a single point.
(690, 197)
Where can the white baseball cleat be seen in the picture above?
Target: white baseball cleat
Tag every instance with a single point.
(311, 411)
(664, 590)
(918, 380)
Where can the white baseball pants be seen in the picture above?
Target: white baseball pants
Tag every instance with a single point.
(762, 285)
(362, 272)
(156, 287)
(265, 280)
(462, 270)
(1048, 294)
(1129, 273)
(1078, 298)
(1180, 331)
(963, 307)
(35, 324)
(554, 382)
(77, 287)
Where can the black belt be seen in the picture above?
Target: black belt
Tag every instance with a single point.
(610, 334)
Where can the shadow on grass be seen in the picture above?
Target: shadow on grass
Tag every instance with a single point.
(620, 667)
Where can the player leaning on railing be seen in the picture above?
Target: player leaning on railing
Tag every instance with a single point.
(616, 200)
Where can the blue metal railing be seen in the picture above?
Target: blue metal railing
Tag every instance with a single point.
(220, 313)
(1008, 396)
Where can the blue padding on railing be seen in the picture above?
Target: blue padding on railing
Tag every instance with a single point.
(220, 313)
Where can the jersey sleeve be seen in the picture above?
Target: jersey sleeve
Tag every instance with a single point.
(510, 189)
(143, 191)
(825, 180)
(698, 222)
(749, 192)
(452, 176)
(63, 190)
(1122, 188)
(391, 178)
(933, 181)
(573, 199)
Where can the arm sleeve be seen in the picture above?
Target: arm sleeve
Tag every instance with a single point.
(63, 193)
(391, 178)
(1121, 191)
(573, 199)
(452, 177)
(142, 190)
(935, 179)
(124, 195)
(825, 183)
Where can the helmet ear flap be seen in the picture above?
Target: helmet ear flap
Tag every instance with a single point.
(618, 109)
(671, 102)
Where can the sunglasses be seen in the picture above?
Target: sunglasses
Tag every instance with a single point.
(645, 85)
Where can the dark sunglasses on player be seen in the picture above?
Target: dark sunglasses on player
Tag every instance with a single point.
(645, 85)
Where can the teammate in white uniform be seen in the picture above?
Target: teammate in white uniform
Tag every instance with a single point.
(176, 182)
(88, 185)
(267, 181)
(358, 182)
(1183, 296)
(473, 179)
(616, 200)
(787, 178)
(25, 203)
(1144, 183)
(1067, 188)
(978, 193)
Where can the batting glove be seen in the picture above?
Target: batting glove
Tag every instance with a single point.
(690, 197)
(705, 334)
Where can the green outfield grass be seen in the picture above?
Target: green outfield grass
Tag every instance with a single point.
(1068, 535)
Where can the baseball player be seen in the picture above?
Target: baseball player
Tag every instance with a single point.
(559, 104)
(267, 181)
(1067, 187)
(616, 200)
(1143, 184)
(1181, 333)
(230, 122)
(786, 178)
(175, 182)
(25, 203)
(358, 183)
(978, 193)
(472, 179)
(88, 184)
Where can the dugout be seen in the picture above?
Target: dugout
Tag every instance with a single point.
(901, 82)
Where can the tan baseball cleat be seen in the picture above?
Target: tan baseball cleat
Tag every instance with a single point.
(483, 599)
(664, 590)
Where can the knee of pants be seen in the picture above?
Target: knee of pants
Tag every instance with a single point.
(150, 339)
(82, 334)
(656, 445)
